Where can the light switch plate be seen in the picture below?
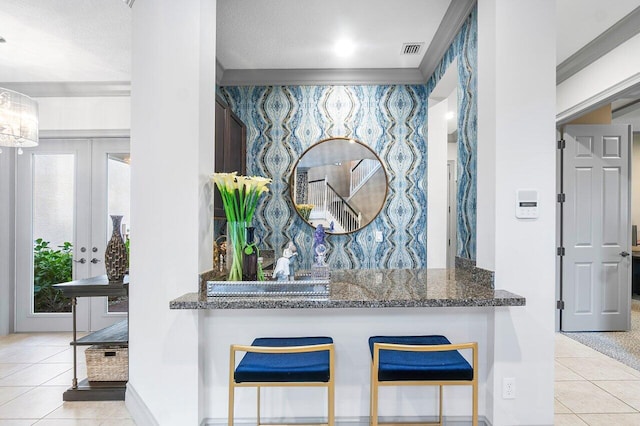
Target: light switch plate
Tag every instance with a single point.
(378, 236)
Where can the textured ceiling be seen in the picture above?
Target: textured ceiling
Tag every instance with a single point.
(291, 34)
(580, 21)
(65, 40)
(90, 40)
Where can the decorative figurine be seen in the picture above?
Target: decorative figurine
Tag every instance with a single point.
(319, 269)
(284, 266)
(318, 236)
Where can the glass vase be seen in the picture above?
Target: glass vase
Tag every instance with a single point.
(236, 239)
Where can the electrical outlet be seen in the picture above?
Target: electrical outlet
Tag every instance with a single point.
(509, 388)
(378, 236)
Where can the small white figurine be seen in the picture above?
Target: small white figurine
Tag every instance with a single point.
(284, 265)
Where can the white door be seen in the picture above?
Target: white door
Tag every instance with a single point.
(596, 228)
(65, 189)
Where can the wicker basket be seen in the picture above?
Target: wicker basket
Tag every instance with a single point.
(107, 363)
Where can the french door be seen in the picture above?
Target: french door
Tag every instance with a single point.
(66, 189)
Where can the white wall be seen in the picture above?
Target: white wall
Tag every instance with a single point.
(172, 122)
(452, 152)
(516, 140)
(437, 194)
(84, 113)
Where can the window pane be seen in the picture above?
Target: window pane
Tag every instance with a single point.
(118, 201)
(53, 225)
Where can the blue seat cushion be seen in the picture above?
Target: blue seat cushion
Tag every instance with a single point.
(408, 366)
(283, 367)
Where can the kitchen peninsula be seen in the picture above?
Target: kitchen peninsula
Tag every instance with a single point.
(392, 288)
(457, 303)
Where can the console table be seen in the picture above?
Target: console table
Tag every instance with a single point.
(116, 334)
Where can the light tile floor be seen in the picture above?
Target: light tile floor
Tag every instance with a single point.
(593, 389)
(35, 369)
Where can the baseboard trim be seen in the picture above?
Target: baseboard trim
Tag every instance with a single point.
(139, 411)
(349, 421)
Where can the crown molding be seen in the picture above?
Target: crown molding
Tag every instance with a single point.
(627, 109)
(48, 89)
(452, 21)
(626, 86)
(621, 31)
(84, 134)
(302, 77)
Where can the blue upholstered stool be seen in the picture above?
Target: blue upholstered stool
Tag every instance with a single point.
(421, 361)
(284, 361)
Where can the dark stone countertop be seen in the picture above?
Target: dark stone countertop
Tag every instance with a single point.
(404, 288)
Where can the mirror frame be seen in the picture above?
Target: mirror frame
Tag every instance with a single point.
(350, 140)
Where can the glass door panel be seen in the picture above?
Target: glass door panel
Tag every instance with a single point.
(111, 189)
(52, 232)
(53, 229)
(118, 203)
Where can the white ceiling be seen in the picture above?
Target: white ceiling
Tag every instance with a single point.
(580, 21)
(90, 40)
(293, 34)
(64, 40)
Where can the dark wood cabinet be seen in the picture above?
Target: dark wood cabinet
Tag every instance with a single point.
(230, 148)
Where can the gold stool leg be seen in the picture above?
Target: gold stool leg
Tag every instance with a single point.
(331, 394)
(440, 411)
(231, 386)
(373, 416)
(231, 392)
(258, 398)
(475, 403)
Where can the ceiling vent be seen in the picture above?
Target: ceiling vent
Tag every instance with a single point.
(411, 48)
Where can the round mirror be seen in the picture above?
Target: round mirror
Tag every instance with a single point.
(339, 183)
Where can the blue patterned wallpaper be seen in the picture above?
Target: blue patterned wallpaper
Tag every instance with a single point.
(282, 121)
(465, 48)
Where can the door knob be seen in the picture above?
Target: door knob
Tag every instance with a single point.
(624, 254)
(83, 261)
(94, 260)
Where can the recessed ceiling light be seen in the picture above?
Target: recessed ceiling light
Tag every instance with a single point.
(344, 47)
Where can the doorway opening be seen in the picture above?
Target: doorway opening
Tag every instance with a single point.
(442, 173)
(66, 190)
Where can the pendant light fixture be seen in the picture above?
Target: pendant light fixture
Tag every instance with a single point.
(18, 120)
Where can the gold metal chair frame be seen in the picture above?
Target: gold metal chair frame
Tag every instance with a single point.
(330, 385)
(375, 383)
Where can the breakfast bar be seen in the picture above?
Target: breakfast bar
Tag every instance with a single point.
(390, 288)
(361, 303)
